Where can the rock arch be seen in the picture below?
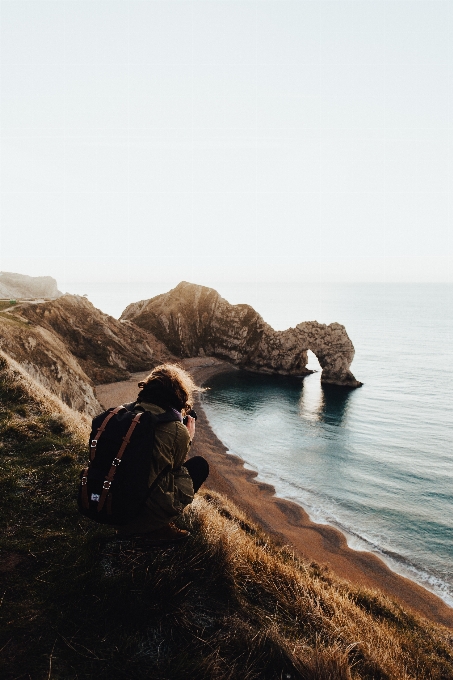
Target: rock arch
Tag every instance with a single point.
(194, 320)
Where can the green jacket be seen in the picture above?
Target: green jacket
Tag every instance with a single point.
(171, 487)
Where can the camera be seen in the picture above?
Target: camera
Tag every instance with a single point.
(191, 413)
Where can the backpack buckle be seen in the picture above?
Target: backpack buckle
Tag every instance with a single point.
(94, 443)
(84, 481)
(107, 485)
(116, 461)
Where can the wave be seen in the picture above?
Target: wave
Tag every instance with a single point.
(323, 509)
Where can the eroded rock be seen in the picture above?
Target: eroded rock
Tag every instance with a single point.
(69, 346)
(193, 320)
(107, 349)
(45, 357)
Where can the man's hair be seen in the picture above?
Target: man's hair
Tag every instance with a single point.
(168, 386)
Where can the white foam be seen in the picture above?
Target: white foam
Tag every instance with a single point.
(323, 511)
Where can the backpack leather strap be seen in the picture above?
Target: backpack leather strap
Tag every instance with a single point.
(116, 461)
(94, 441)
(85, 501)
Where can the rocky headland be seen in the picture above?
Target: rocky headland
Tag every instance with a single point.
(20, 286)
(193, 320)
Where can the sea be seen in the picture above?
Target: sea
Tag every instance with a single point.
(375, 462)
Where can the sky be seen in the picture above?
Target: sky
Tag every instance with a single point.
(226, 141)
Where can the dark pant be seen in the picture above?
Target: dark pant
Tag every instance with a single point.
(198, 469)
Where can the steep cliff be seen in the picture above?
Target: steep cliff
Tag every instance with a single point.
(29, 287)
(46, 358)
(107, 349)
(193, 320)
(68, 346)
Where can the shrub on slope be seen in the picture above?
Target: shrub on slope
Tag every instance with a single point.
(227, 604)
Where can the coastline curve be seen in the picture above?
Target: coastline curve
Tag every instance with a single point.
(284, 520)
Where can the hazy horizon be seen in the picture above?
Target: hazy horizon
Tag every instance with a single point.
(226, 141)
(282, 304)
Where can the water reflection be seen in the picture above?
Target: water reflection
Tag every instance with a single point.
(257, 393)
(323, 403)
(253, 392)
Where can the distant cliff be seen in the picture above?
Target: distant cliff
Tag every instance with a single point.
(69, 346)
(193, 320)
(28, 287)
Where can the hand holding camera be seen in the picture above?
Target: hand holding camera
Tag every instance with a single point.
(192, 414)
(189, 422)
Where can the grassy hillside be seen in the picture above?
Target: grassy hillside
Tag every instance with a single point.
(228, 604)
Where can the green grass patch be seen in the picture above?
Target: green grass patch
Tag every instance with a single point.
(4, 304)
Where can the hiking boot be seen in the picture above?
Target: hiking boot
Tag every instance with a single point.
(167, 534)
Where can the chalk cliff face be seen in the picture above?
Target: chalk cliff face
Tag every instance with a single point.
(68, 346)
(29, 287)
(193, 320)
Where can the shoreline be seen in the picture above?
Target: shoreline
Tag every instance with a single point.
(285, 520)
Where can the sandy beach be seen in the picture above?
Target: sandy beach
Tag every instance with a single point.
(285, 520)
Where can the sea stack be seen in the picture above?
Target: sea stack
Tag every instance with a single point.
(193, 320)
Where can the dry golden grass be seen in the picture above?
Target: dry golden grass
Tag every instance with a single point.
(18, 381)
(228, 604)
(326, 627)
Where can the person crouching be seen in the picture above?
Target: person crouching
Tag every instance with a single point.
(173, 478)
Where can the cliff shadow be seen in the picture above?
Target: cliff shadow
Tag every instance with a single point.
(252, 392)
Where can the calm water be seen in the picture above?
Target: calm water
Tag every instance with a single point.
(376, 462)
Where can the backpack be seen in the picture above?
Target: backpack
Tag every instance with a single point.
(114, 486)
